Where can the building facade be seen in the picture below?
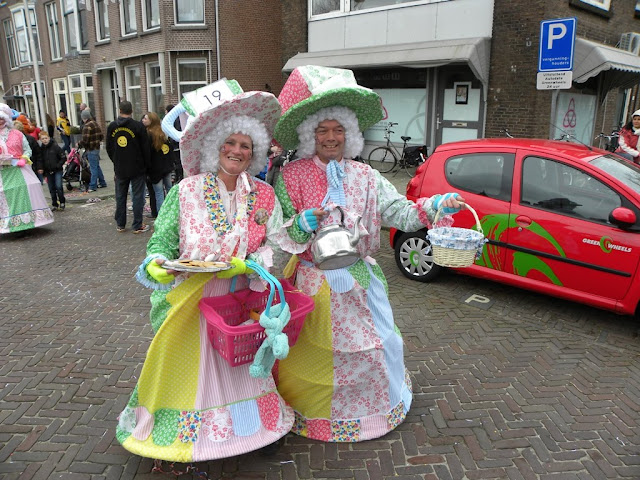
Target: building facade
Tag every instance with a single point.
(149, 52)
(460, 69)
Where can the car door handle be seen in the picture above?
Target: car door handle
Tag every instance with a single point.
(523, 221)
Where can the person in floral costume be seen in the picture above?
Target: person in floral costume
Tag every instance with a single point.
(189, 404)
(345, 377)
(22, 203)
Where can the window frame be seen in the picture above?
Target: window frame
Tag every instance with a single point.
(151, 85)
(21, 35)
(183, 23)
(128, 88)
(53, 28)
(145, 15)
(101, 18)
(85, 89)
(346, 9)
(57, 91)
(79, 27)
(198, 83)
(10, 42)
(124, 16)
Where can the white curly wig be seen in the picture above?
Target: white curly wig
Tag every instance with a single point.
(354, 141)
(239, 124)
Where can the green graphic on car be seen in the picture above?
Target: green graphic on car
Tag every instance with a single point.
(495, 228)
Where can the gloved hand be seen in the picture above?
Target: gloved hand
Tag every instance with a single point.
(158, 273)
(441, 199)
(307, 221)
(21, 163)
(239, 268)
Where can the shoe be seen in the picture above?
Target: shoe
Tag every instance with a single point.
(54, 208)
(150, 215)
(102, 186)
(142, 229)
(62, 207)
(120, 229)
(90, 190)
(130, 208)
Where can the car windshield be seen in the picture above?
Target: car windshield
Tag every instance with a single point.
(625, 171)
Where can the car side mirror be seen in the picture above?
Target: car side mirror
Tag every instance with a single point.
(623, 216)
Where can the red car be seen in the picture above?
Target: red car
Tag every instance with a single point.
(561, 218)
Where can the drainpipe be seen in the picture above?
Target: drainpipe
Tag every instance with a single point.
(36, 67)
(218, 63)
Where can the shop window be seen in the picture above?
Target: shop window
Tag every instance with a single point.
(192, 74)
(53, 27)
(10, 40)
(151, 14)
(189, 11)
(134, 91)
(102, 20)
(128, 16)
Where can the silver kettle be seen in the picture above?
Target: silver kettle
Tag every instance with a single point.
(334, 246)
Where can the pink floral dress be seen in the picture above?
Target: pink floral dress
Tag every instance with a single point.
(345, 377)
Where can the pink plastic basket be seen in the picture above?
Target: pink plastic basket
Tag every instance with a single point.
(238, 344)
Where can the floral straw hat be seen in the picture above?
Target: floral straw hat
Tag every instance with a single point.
(213, 104)
(311, 88)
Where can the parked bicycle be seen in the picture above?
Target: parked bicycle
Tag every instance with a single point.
(386, 158)
(610, 141)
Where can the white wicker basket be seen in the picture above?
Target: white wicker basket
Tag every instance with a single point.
(456, 247)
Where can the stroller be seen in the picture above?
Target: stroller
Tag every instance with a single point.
(77, 170)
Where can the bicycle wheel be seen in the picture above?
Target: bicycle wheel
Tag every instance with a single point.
(410, 165)
(382, 159)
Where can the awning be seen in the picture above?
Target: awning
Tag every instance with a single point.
(620, 69)
(472, 51)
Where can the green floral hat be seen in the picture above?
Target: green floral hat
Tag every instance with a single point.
(311, 88)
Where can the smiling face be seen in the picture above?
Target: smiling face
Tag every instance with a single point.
(235, 154)
(330, 138)
(636, 122)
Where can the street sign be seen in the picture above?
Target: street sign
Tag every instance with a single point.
(553, 80)
(557, 39)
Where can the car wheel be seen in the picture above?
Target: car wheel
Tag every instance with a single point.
(415, 258)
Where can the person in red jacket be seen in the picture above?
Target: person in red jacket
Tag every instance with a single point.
(628, 139)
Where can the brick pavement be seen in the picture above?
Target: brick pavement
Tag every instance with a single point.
(532, 388)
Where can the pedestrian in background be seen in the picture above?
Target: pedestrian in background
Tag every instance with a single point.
(161, 166)
(64, 128)
(175, 146)
(129, 149)
(53, 159)
(628, 139)
(91, 138)
(35, 130)
(51, 125)
(36, 156)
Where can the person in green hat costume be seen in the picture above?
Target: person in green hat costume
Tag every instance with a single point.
(345, 377)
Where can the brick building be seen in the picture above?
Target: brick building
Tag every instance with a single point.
(147, 51)
(457, 69)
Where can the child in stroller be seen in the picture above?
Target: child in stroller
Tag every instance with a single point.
(77, 170)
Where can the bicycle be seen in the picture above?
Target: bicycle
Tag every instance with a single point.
(611, 140)
(386, 158)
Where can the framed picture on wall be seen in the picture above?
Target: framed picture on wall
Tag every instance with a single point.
(462, 93)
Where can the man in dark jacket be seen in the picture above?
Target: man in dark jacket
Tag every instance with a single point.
(129, 149)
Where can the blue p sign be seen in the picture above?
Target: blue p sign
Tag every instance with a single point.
(557, 38)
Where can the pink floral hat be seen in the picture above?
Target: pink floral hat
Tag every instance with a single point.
(197, 140)
(311, 88)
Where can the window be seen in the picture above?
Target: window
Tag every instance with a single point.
(192, 74)
(603, 4)
(319, 7)
(54, 30)
(323, 7)
(189, 11)
(60, 94)
(10, 39)
(150, 14)
(566, 190)
(102, 20)
(74, 22)
(81, 91)
(154, 93)
(488, 174)
(22, 35)
(128, 16)
(134, 95)
(365, 4)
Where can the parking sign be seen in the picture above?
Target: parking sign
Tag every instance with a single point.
(557, 39)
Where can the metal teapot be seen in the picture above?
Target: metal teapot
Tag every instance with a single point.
(334, 246)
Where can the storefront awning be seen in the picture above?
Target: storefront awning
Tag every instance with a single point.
(620, 69)
(472, 51)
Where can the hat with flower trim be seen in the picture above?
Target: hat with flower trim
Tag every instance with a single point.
(311, 88)
(213, 110)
